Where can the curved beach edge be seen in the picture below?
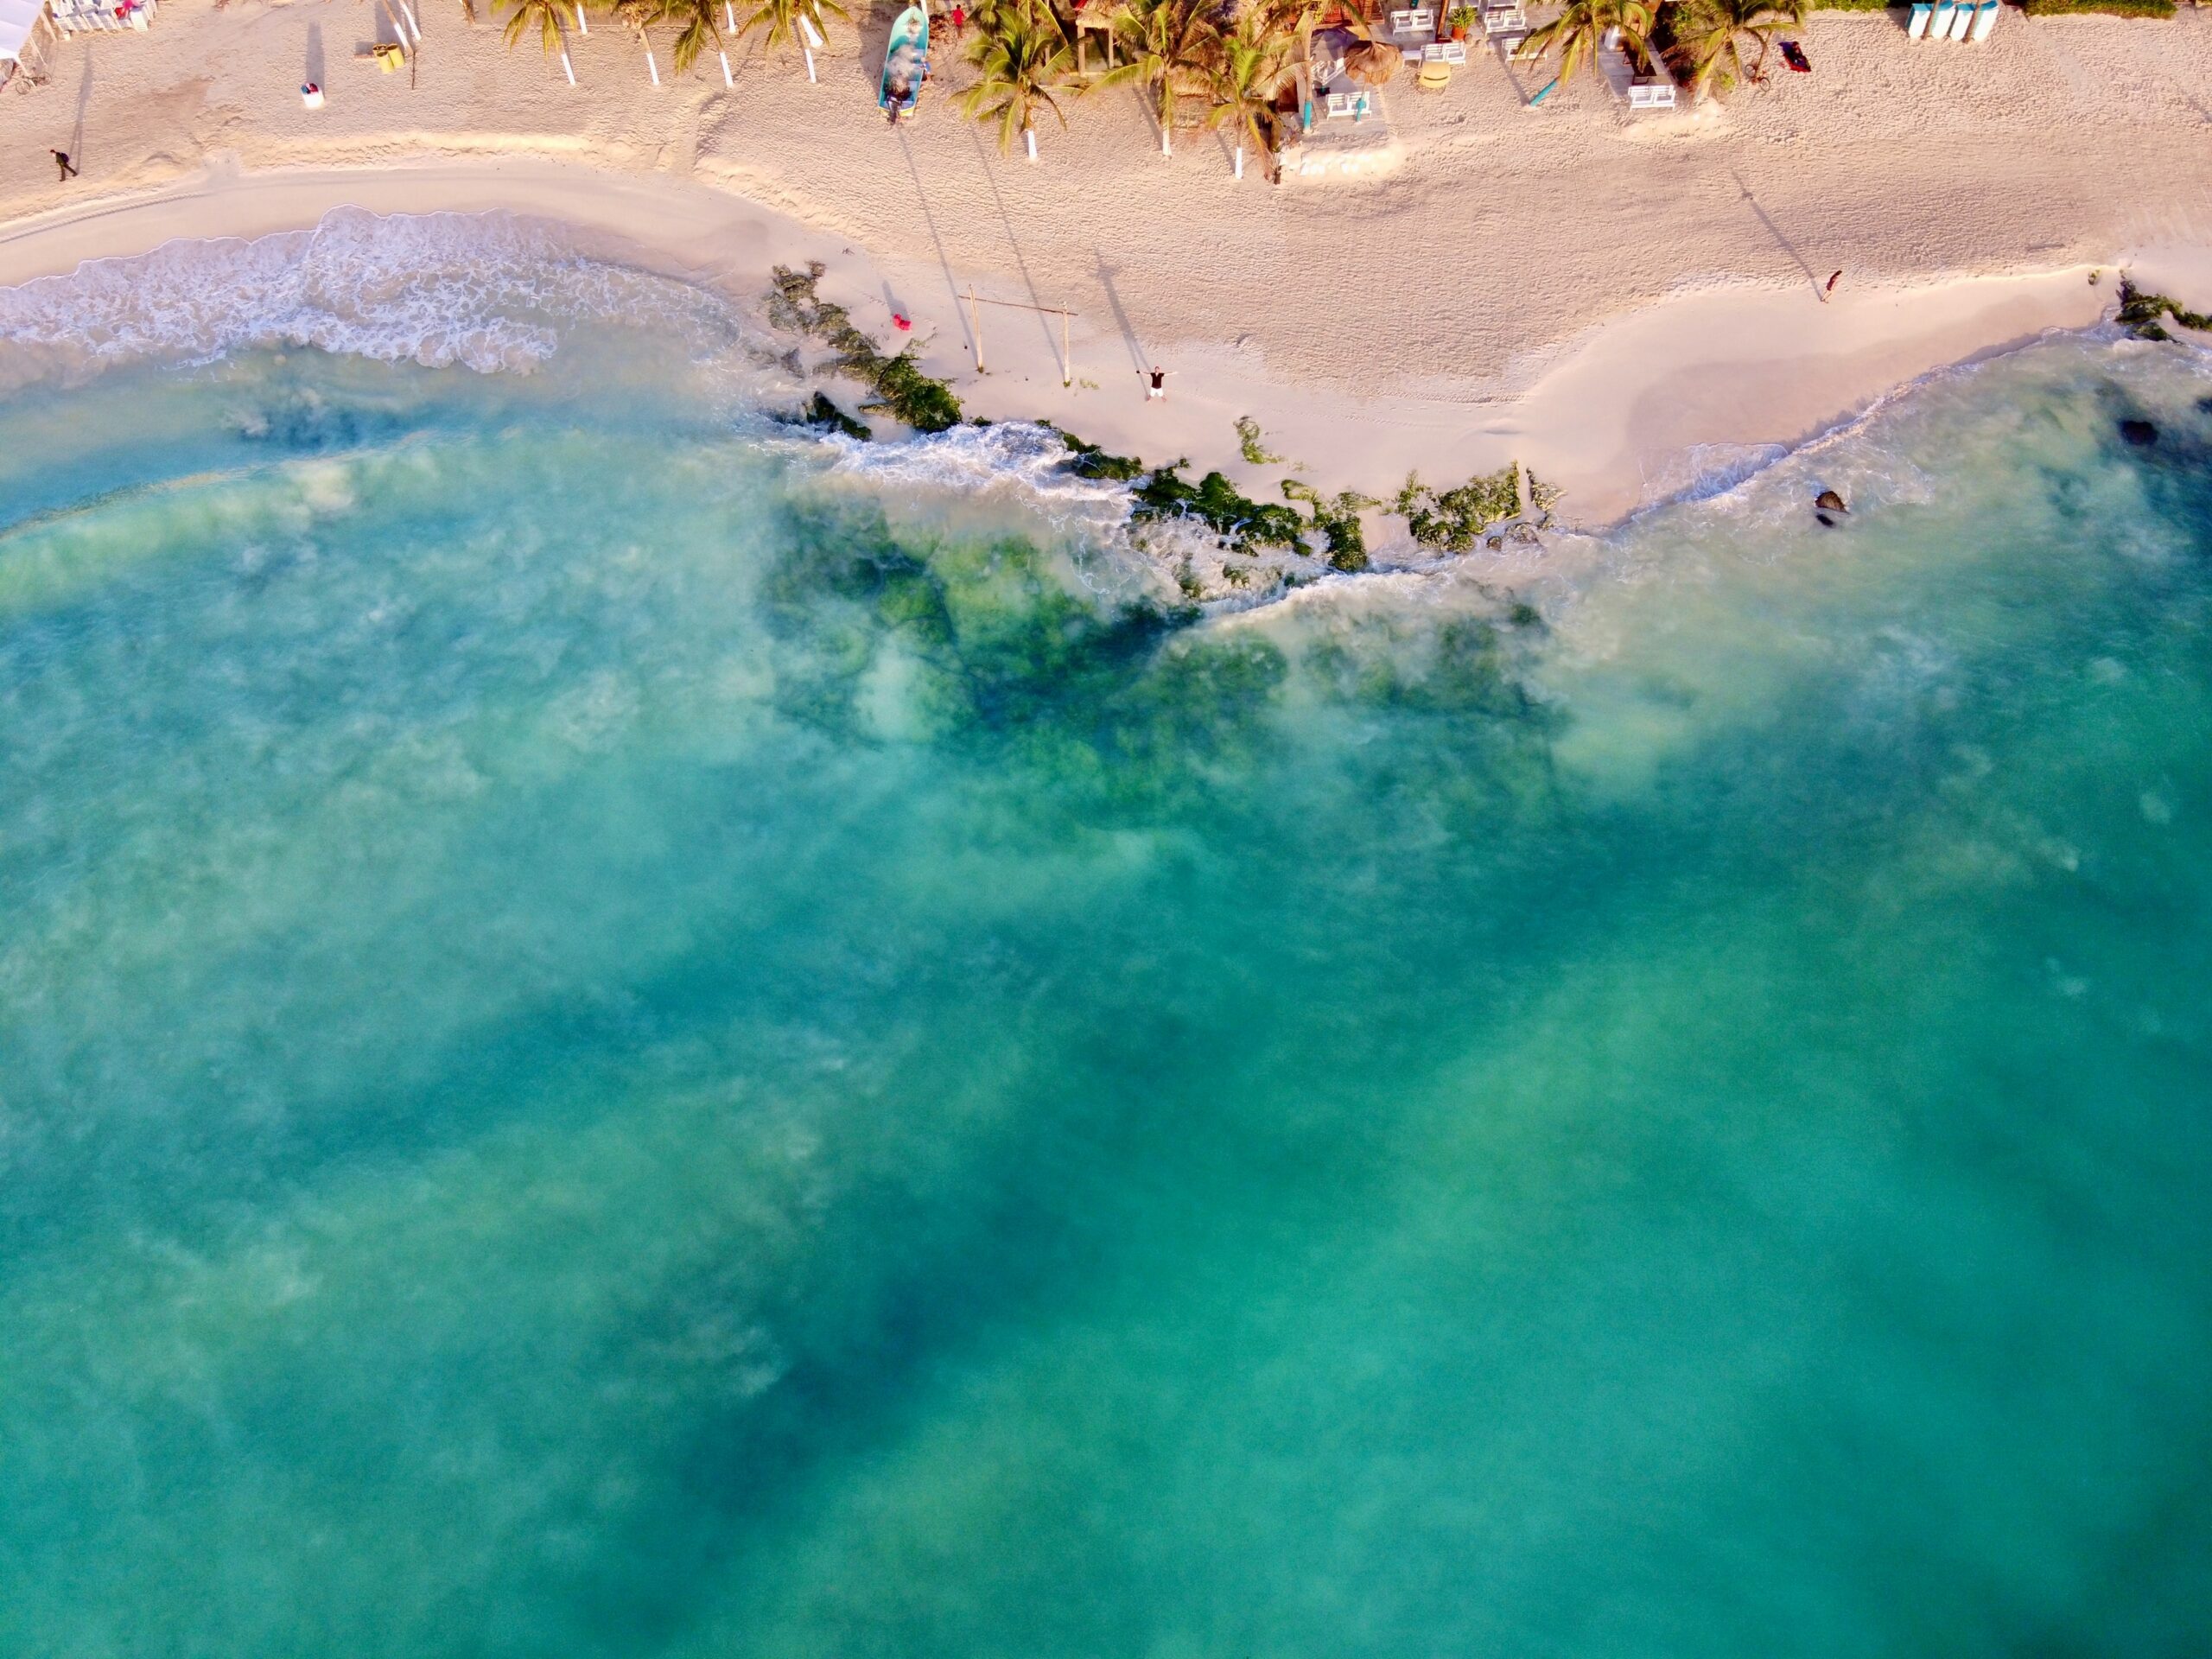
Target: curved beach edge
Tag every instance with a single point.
(1635, 408)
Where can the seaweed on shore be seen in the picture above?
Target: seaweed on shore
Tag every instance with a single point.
(1091, 461)
(822, 412)
(901, 389)
(1163, 492)
(1453, 521)
(1215, 502)
(2140, 313)
(1249, 444)
(1338, 520)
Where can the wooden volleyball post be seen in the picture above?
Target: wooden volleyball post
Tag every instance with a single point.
(976, 303)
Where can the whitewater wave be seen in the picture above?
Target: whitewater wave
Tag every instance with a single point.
(483, 291)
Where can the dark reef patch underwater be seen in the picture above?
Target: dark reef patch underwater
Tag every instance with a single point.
(627, 1033)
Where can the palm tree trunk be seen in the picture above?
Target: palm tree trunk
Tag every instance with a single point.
(566, 68)
(1166, 118)
(729, 79)
(652, 67)
(1240, 157)
(1029, 137)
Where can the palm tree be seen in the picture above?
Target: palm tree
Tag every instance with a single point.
(543, 16)
(1579, 30)
(641, 15)
(1169, 42)
(785, 20)
(700, 29)
(1020, 54)
(1708, 36)
(1248, 70)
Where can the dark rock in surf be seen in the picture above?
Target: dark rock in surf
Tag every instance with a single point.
(1825, 520)
(2141, 433)
(1831, 501)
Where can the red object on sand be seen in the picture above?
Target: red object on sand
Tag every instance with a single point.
(902, 324)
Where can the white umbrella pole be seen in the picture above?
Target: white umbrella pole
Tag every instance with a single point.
(652, 67)
(729, 17)
(729, 79)
(810, 62)
(413, 27)
(583, 24)
(566, 67)
(1029, 136)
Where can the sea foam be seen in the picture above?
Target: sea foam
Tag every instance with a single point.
(485, 291)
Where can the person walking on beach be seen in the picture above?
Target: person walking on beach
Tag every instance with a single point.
(62, 160)
(959, 22)
(1830, 289)
(1158, 389)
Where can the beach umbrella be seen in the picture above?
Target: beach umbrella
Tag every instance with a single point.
(1372, 63)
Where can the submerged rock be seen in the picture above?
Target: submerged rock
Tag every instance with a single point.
(1831, 501)
(2141, 433)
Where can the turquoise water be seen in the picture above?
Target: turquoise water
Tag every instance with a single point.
(624, 1035)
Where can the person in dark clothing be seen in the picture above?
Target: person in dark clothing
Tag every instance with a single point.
(62, 160)
(1831, 283)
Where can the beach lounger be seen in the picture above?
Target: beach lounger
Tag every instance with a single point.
(1939, 26)
(1962, 20)
(1650, 92)
(1337, 104)
(1419, 21)
(1916, 27)
(1985, 19)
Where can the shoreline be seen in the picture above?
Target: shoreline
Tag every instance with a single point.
(1614, 303)
(1741, 369)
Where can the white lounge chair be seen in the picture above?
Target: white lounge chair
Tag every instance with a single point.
(1338, 104)
(1419, 21)
(1962, 20)
(1916, 27)
(1985, 19)
(1650, 92)
(1445, 52)
(1939, 26)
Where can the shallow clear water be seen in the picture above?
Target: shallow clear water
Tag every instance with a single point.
(623, 1035)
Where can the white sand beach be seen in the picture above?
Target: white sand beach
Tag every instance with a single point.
(1592, 293)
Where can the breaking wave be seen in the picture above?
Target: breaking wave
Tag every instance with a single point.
(483, 291)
